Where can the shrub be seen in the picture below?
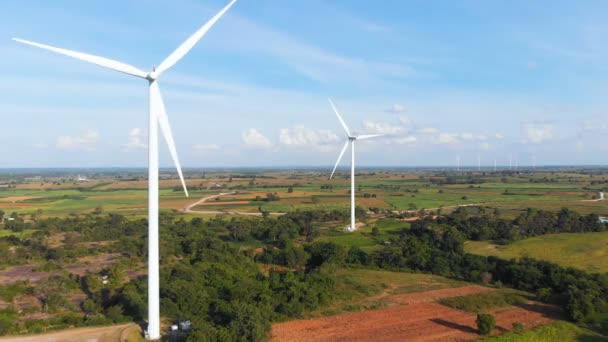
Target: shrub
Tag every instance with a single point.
(485, 324)
(518, 327)
(544, 294)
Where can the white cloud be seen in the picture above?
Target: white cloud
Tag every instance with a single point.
(206, 148)
(404, 120)
(254, 139)
(594, 126)
(380, 127)
(87, 141)
(309, 60)
(473, 137)
(135, 139)
(396, 108)
(536, 133)
(40, 145)
(499, 136)
(447, 139)
(407, 140)
(375, 27)
(300, 136)
(428, 130)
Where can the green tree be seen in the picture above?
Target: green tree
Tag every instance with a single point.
(485, 323)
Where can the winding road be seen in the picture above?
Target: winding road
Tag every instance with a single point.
(601, 198)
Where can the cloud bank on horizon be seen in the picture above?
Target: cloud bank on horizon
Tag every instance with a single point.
(440, 80)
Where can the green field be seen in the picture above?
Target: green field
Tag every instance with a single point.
(586, 251)
(22, 235)
(364, 289)
(560, 331)
(391, 190)
(363, 237)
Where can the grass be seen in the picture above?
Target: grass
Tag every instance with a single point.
(586, 251)
(21, 235)
(482, 302)
(559, 331)
(364, 289)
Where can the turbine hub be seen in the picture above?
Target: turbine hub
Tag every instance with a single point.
(152, 75)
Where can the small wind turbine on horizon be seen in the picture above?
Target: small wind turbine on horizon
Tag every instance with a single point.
(157, 116)
(350, 139)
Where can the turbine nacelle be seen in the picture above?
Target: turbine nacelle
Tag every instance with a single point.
(152, 75)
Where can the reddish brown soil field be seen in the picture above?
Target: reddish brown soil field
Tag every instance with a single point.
(421, 320)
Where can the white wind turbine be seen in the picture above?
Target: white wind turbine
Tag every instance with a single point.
(350, 139)
(156, 116)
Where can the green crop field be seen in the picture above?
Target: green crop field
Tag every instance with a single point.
(587, 251)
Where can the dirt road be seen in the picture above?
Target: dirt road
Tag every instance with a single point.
(115, 333)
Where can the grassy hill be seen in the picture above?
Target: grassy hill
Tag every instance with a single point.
(586, 251)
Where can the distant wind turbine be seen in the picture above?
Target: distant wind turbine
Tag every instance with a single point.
(350, 139)
(478, 162)
(157, 116)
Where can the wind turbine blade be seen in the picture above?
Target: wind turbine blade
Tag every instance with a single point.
(339, 117)
(368, 136)
(160, 112)
(186, 46)
(339, 158)
(101, 61)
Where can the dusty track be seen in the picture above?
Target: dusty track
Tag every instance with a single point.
(599, 199)
(93, 334)
(421, 320)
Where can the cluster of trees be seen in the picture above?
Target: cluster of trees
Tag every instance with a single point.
(279, 232)
(439, 250)
(485, 225)
(219, 287)
(211, 282)
(270, 197)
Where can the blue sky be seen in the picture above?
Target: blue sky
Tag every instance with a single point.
(442, 79)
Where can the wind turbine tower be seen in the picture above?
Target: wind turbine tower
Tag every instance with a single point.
(478, 162)
(457, 163)
(350, 139)
(157, 116)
